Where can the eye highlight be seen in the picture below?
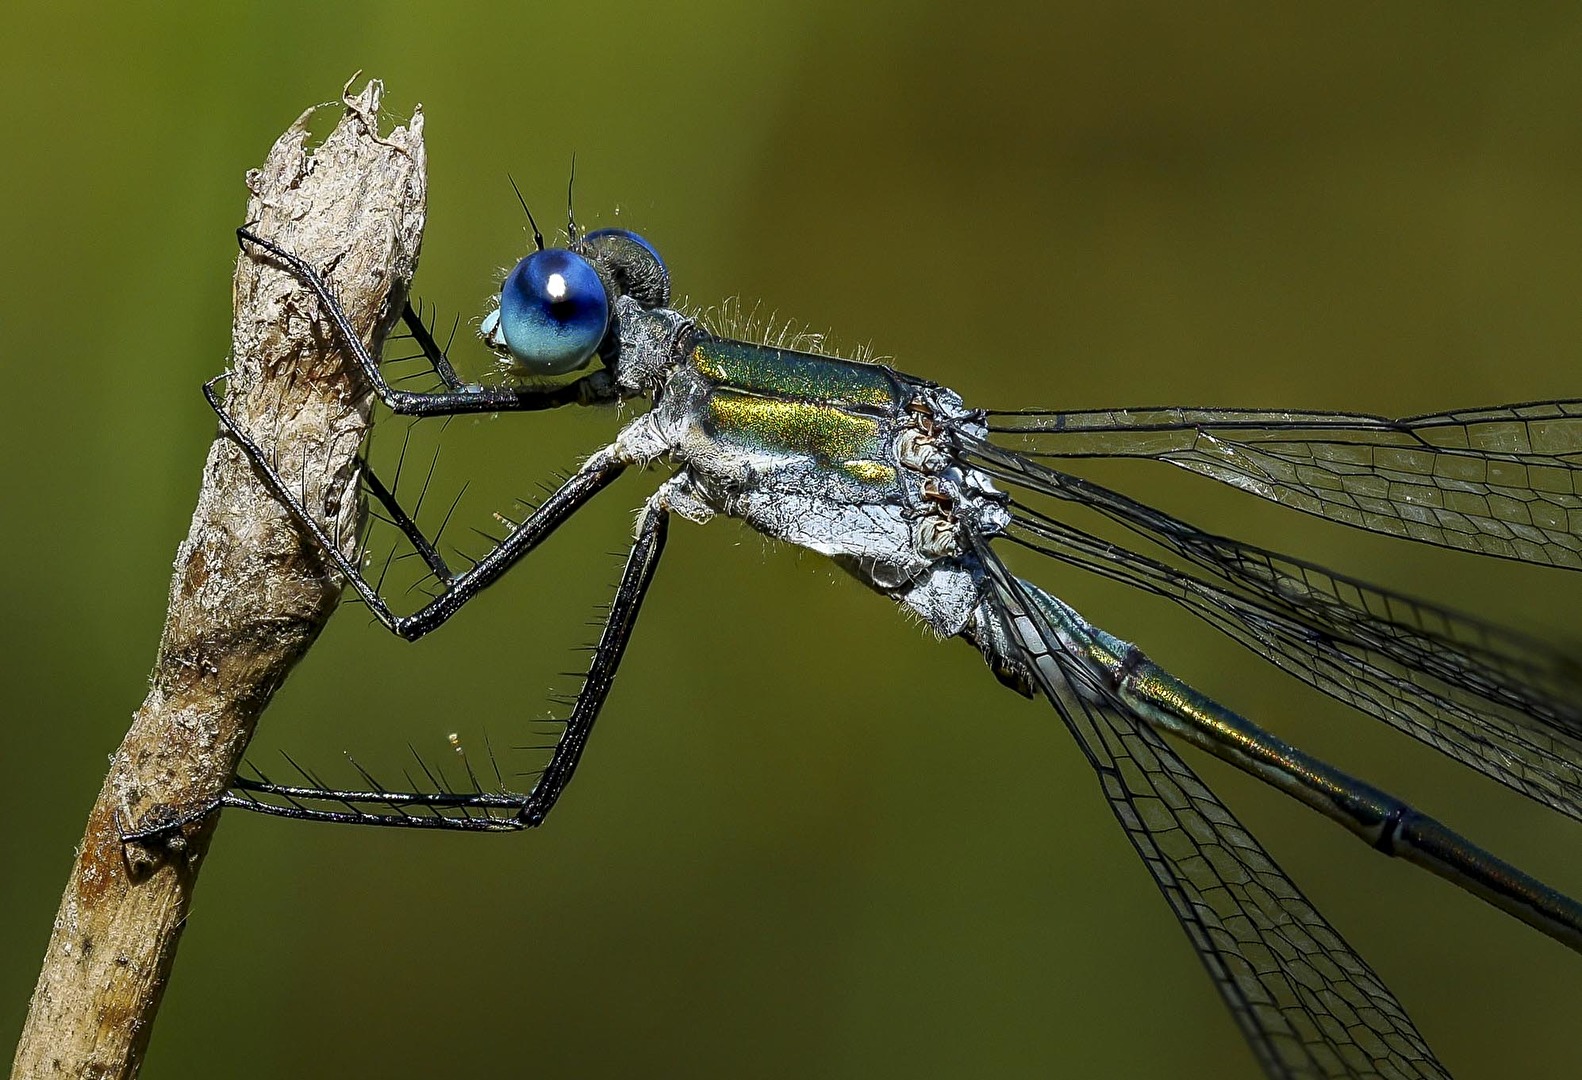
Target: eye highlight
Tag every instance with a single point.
(553, 312)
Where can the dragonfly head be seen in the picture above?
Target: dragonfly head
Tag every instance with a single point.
(555, 305)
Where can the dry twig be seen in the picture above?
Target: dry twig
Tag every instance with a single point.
(249, 595)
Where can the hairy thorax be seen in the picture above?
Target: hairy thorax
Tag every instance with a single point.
(851, 460)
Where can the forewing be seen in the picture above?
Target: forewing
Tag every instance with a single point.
(1503, 481)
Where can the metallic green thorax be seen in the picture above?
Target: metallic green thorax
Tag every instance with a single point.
(786, 403)
(781, 373)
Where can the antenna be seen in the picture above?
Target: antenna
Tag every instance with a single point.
(538, 237)
(571, 218)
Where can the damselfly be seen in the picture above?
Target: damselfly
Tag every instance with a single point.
(895, 479)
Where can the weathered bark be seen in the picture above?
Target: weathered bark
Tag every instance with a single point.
(250, 593)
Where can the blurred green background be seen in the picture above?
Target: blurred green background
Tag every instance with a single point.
(806, 840)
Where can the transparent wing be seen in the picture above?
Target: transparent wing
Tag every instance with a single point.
(1503, 703)
(1504, 481)
(1308, 1005)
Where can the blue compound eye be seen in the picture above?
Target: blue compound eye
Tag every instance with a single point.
(599, 235)
(553, 312)
(630, 263)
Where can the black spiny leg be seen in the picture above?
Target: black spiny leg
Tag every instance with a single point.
(437, 357)
(392, 808)
(594, 475)
(635, 579)
(407, 527)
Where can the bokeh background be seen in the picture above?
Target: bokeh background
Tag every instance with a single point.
(806, 840)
